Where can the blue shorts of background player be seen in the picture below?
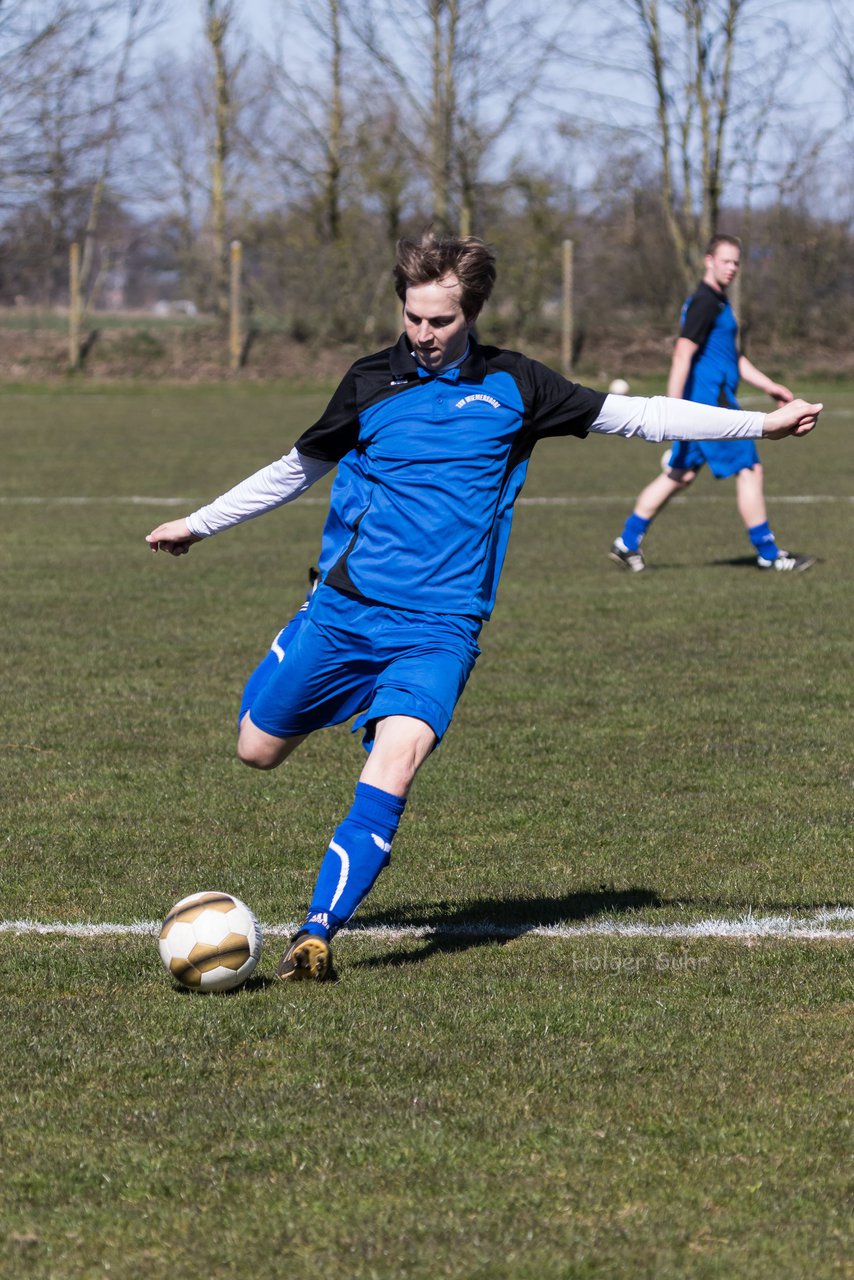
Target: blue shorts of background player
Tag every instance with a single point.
(724, 457)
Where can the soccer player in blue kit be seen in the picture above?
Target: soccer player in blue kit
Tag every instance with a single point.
(706, 368)
(430, 440)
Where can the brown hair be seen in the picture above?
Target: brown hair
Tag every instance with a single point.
(432, 257)
(716, 241)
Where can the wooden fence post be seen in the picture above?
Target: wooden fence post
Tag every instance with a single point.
(74, 306)
(566, 335)
(234, 343)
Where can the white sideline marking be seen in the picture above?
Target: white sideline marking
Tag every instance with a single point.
(834, 923)
(565, 500)
(592, 501)
(129, 500)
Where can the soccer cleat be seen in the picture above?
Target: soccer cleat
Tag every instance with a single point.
(308, 958)
(631, 560)
(786, 563)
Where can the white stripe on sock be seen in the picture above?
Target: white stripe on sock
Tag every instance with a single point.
(345, 872)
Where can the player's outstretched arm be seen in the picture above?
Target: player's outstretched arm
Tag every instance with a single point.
(794, 419)
(271, 487)
(174, 536)
(776, 390)
(680, 366)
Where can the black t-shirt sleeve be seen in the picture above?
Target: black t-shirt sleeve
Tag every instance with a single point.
(336, 431)
(701, 312)
(559, 407)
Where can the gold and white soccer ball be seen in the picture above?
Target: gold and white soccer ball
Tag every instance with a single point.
(210, 941)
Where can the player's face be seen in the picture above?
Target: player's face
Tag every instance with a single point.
(722, 265)
(434, 322)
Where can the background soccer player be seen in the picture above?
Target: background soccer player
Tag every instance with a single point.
(706, 368)
(431, 440)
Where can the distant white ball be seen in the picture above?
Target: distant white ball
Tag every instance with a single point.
(210, 941)
(619, 387)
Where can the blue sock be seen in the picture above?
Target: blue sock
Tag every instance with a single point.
(357, 853)
(763, 540)
(633, 531)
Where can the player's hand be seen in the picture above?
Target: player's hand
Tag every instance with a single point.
(794, 419)
(174, 537)
(780, 393)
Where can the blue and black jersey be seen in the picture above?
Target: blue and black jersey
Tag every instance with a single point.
(709, 320)
(429, 467)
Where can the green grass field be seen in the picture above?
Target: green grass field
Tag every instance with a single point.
(507, 1089)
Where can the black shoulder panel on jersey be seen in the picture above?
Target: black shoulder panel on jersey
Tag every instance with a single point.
(554, 406)
(700, 313)
(370, 379)
(336, 430)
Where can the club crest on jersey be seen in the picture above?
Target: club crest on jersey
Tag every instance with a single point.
(480, 395)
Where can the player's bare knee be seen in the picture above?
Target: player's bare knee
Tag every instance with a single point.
(250, 754)
(261, 750)
(258, 753)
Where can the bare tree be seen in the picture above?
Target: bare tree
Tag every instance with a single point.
(28, 41)
(386, 173)
(706, 76)
(693, 115)
(204, 169)
(219, 18)
(64, 87)
(315, 123)
(174, 180)
(336, 122)
(463, 70)
(140, 17)
(842, 35)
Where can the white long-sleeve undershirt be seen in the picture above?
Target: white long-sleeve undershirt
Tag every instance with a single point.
(662, 418)
(272, 486)
(655, 419)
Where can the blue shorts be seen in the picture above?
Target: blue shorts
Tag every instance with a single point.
(348, 658)
(725, 457)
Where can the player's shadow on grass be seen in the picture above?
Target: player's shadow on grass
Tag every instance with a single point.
(735, 562)
(742, 562)
(496, 920)
(672, 566)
